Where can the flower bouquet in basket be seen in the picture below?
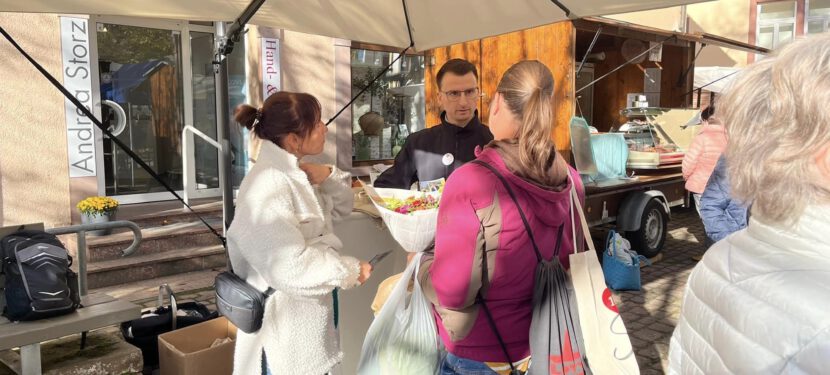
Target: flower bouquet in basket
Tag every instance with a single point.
(411, 216)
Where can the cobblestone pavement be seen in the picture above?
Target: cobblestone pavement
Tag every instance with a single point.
(649, 315)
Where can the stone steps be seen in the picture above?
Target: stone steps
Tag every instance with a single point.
(146, 292)
(155, 240)
(142, 267)
(174, 242)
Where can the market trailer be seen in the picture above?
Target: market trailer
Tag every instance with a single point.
(599, 92)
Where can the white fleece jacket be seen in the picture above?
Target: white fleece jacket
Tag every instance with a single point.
(281, 237)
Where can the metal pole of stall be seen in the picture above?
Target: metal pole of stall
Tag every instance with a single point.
(223, 129)
(226, 36)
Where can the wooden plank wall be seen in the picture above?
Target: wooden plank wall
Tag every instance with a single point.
(610, 93)
(552, 44)
(675, 63)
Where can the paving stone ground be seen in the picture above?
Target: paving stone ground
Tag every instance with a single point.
(649, 315)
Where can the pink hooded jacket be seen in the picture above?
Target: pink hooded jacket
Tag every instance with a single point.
(702, 156)
(478, 217)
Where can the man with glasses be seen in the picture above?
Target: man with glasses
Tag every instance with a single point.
(435, 152)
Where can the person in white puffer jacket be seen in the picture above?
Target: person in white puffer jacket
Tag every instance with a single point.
(759, 302)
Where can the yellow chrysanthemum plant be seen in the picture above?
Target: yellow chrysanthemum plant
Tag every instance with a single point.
(95, 206)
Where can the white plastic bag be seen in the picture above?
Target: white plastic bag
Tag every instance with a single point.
(403, 338)
(622, 251)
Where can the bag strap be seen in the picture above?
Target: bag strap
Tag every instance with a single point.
(486, 279)
(578, 208)
(485, 276)
(492, 322)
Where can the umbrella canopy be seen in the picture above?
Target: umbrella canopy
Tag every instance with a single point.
(433, 23)
(714, 78)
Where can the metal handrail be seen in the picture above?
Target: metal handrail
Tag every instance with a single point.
(81, 230)
(187, 141)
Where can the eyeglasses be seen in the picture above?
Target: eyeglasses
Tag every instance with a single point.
(455, 95)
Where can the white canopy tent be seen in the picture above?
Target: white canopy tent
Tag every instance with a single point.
(431, 23)
(714, 78)
(434, 23)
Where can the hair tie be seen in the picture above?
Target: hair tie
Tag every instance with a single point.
(257, 119)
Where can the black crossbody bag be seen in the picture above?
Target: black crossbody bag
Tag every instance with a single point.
(240, 302)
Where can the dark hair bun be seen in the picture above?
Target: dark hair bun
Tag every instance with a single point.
(245, 115)
(707, 113)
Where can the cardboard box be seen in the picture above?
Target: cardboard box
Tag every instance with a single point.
(187, 351)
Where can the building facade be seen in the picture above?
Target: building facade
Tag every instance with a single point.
(766, 23)
(147, 80)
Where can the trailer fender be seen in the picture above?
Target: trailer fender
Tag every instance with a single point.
(631, 209)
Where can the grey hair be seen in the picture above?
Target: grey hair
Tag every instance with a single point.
(777, 118)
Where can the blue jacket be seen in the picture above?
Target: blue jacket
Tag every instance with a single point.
(721, 214)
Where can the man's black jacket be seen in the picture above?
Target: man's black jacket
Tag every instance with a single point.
(425, 152)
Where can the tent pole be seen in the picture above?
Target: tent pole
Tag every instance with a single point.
(588, 52)
(225, 37)
(223, 130)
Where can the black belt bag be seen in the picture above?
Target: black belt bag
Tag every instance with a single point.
(240, 302)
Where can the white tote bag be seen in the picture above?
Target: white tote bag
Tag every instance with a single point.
(403, 338)
(607, 344)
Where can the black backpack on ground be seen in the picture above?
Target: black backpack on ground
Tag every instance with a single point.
(39, 281)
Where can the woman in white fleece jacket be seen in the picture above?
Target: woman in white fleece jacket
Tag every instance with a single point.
(281, 237)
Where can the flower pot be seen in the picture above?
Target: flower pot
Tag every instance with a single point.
(94, 219)
(371, 123)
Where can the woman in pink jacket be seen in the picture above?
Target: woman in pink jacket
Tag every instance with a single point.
(703, 154)
(479, 229)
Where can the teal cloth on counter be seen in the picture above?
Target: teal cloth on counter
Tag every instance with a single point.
(610, 155)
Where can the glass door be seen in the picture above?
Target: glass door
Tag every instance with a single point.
(205, 157)
(155, 78)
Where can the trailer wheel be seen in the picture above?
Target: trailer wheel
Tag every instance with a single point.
(649, 239)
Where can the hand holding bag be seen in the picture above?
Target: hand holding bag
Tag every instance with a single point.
(607, 344)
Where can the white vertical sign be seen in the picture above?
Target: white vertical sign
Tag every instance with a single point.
(270, 66)
(77, 78)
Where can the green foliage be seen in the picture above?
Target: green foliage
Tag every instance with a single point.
(129, 45)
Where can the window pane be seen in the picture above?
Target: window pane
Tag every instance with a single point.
(204, 109)
(765, 36)
(141, 70)
(776, 10)
(785, 34)
(391, 108)
(815, 27)
(819, 8)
